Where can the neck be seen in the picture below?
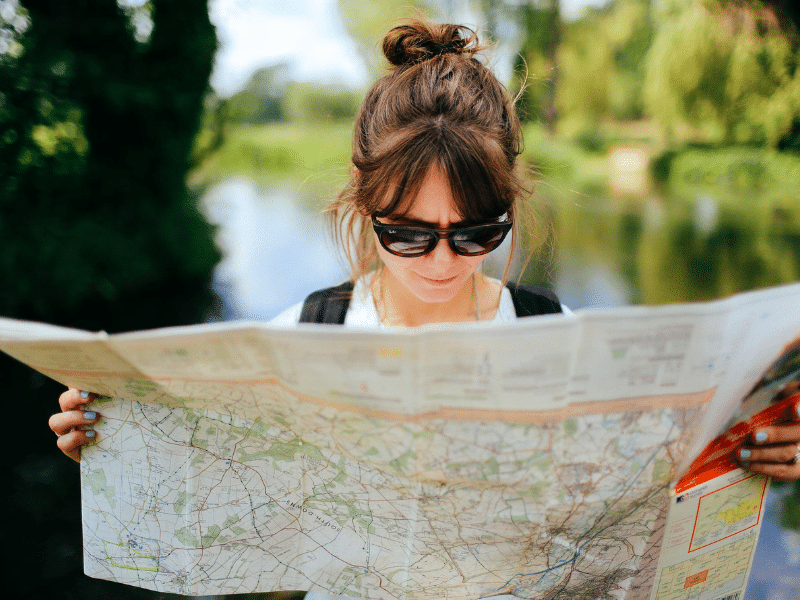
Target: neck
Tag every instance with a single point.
(398, 307)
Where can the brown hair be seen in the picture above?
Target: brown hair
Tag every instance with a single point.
(438, 105)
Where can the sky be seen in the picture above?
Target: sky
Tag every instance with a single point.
(308, 35)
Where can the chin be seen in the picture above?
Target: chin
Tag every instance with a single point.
(438, 292)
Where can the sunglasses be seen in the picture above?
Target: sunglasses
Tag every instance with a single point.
(409, 242)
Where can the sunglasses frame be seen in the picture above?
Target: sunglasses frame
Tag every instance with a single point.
(438, 235)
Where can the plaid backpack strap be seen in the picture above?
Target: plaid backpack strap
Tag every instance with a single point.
(328, 305)
(532, 300)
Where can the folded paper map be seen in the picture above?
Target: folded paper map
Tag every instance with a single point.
(538, 459)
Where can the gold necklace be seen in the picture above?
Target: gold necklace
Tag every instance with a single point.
(477, 299)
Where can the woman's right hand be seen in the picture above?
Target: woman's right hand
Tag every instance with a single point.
(68, 424)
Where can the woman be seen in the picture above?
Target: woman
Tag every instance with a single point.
(434, 189)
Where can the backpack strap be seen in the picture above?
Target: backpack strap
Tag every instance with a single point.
(328, 305)
(531, 300)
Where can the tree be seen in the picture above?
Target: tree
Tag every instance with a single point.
(537, 60)
(263, 99)
(725, 72)
(367, 21)
(602, 60)
(97, 132)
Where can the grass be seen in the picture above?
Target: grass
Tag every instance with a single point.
(735, 173)
(311, 157)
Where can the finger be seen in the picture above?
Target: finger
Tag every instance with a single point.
(63, 423)
(776, 434)
(72, 399)
(71, 443)
(780, 454)
(779, 472)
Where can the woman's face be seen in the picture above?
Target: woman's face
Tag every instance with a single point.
(439, 275)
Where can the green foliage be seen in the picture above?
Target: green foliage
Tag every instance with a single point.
(559, 162)
(96, 127)
(730, 174)
(262, 100)
(601, 63)
(367, 21)
(710, 71)
(790, 516)
(679, 251)
(534, 66)
(724, 72)
(306, 154)
(311, 102)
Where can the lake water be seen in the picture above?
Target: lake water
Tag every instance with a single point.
(266, 269)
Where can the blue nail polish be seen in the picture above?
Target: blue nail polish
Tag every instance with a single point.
(761, 437)
(90, 434)
(797, 408)
(90, 415)
(84, 394)
(744, 453)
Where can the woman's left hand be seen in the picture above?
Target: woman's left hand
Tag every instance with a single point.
(775, 450)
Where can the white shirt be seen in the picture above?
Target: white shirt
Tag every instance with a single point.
(362, 311)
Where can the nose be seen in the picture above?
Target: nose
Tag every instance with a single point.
(442, 253)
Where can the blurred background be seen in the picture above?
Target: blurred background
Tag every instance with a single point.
(167, 163)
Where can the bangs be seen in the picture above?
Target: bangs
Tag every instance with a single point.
(473, 167)
(476, 170)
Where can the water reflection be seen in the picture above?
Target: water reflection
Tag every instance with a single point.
(582, 283)
(668, 250)
(274, 252)
(776, 568)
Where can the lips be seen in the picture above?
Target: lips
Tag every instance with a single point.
(440, 281)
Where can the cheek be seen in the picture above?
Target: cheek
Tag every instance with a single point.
(395, 264)
(474, 262)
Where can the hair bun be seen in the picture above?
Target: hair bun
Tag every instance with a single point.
(415, 41)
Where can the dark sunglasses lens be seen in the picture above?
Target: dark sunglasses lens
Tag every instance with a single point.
(407, 242)
(479, 240)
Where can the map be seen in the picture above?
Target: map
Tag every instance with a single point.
(535, 459)
(719, 573)
(726, 512)
(317, 498)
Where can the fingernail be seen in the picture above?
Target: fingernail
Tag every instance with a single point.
(761, 437)
(744, 463)
(744, 453)
(90, 415)
(797, 408)
(84, 394)
(90, 434)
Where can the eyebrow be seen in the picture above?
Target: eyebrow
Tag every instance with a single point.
(403, 220)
